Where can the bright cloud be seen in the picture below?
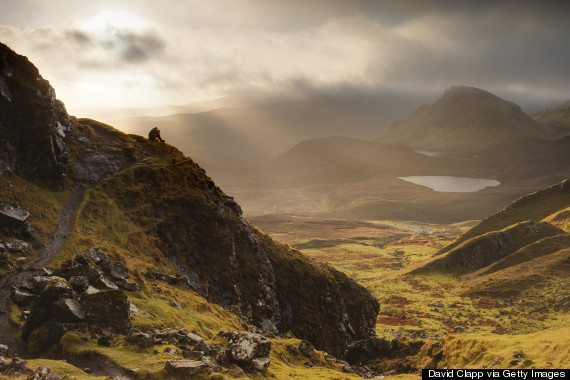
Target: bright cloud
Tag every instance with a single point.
(174, 52)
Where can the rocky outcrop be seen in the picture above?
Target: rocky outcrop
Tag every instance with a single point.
(80, 296)
(33, 123)
(231, 263)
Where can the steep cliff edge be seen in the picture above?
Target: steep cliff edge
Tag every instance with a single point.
(33, 123)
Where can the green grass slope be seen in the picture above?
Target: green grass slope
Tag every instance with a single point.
(536, 206)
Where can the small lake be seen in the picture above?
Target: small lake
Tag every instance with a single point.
(452, 184)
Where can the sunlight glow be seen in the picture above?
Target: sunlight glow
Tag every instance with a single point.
(115, 20)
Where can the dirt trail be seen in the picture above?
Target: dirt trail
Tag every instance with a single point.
(58, 239)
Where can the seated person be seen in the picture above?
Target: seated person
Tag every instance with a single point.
(154, 135)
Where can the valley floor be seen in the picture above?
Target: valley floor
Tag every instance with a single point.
(527, 329)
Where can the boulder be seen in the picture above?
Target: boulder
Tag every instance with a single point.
(4, 364)
(98, 257)
(119, 271)
(79, 283)
(43, 309)
(19, 365)
(260, 364)
(38, 284)
(108, 308)
(202, 346)
(246, 346)
(22, 297)
(306, 348)
(17, 246)
(68, 310)
(141, 339)
(185, 368)
(4, 350)
(12, 216)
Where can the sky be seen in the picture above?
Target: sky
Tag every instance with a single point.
(151, 53)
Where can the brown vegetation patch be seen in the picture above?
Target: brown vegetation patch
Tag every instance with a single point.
(414, 283)
(395, 321)
(397, 301)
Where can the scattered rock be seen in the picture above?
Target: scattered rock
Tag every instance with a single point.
(44, 373)
(170, 351)
(143, 340)
(17, 246)
(203, 347)
(246, 346)
(79, 283)
(516, 362)
(119, 271)
(235, 370)
(175, 304)
(4, 350)
(185, 368)
(260, 364)
(98, 257)
(4, 364)
(292, 349)
(133, 310)
(19, 365)
(21, 297)
(306, 348)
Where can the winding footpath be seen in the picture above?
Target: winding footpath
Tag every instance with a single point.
(58, 239)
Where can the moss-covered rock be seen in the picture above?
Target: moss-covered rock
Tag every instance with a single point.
(108, 309)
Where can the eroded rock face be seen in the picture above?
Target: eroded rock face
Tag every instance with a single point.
(33, 123)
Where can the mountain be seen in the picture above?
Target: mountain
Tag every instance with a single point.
(557, 119)
(464, 118)
(143, 224)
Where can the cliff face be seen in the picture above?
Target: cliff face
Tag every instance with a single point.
(33, 123)
(178, 220)
(228, 261)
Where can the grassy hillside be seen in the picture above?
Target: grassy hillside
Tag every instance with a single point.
(536, 206)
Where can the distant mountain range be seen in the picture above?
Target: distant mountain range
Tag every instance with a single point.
(468, 132)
